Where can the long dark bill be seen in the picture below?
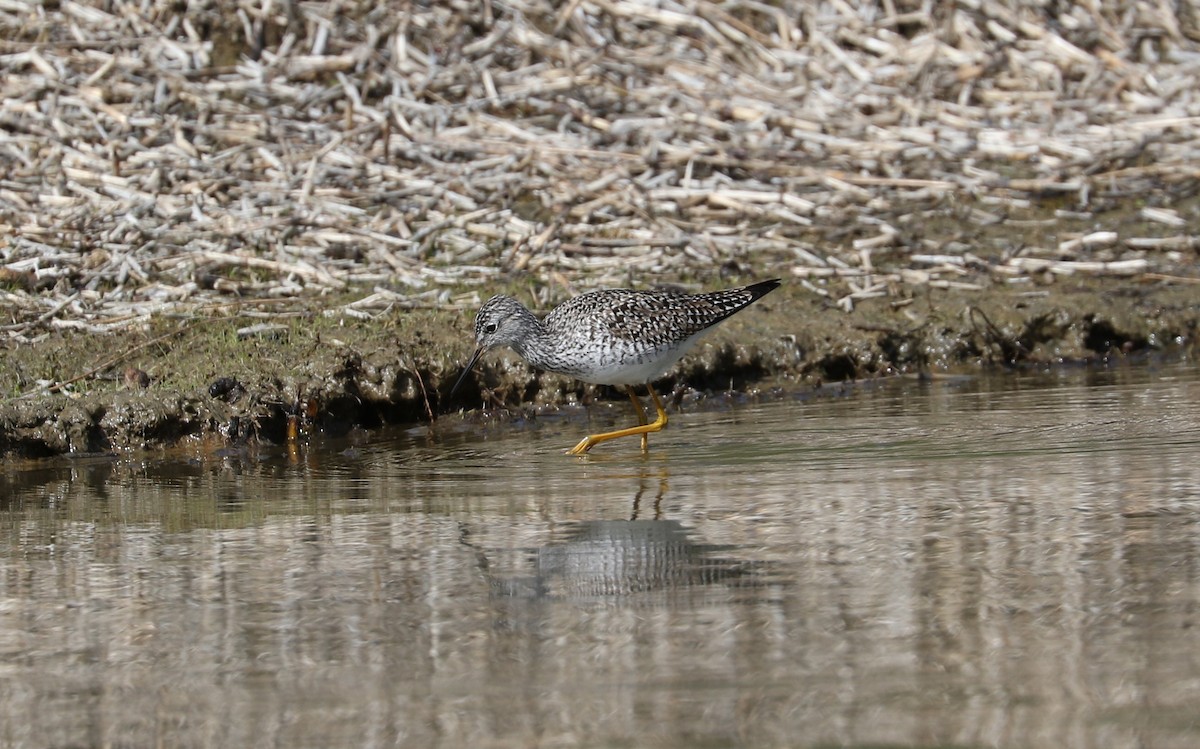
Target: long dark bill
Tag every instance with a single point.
(470, 365)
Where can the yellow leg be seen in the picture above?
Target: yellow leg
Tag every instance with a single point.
(637, 406)
(587, 443)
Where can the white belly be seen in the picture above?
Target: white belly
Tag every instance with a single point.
(636, 374)
(618, 370)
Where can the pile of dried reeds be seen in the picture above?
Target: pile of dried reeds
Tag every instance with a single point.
(160, 156)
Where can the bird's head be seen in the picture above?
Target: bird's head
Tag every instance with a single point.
(501, 321)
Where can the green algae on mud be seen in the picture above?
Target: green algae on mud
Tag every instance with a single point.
(219, 381)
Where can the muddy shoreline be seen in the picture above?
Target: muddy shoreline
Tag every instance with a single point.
(221, 231)
(207, 387)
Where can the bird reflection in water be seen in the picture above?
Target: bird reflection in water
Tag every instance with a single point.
(624, 557)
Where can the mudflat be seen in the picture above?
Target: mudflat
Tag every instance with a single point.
(222, 228)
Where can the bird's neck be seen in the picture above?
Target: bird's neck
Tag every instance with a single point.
(535, 346)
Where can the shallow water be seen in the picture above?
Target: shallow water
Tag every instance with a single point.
(1005, 561)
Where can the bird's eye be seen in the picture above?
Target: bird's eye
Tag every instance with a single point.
(489, 328)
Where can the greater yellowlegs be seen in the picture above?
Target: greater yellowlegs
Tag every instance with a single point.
(612, 337)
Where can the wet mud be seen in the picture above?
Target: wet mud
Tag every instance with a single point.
(208, 386)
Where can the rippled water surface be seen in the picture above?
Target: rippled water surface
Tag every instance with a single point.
(1000, 561)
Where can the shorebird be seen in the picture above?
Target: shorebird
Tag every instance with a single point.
(611, 337)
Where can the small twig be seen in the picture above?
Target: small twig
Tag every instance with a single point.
(424, 393)
(58, 386)
(44, 316)
(1009, 347)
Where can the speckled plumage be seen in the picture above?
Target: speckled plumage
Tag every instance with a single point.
(611, 337)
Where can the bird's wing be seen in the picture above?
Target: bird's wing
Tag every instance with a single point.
(662, 319)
